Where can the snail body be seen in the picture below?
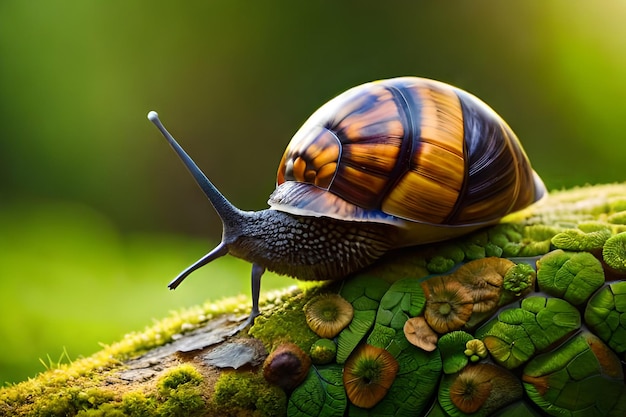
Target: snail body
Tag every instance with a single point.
(387, 164)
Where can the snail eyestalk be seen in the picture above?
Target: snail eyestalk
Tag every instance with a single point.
(219, 251)
(228, 213)
(223, 207)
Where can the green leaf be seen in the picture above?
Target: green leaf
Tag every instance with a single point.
(516, 334)
(606, 315)
(349, 338)
(364, 293)
(321, 394)
(452, 348)
(581, 377)
(404, 299)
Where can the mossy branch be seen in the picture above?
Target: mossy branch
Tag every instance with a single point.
(194, 363)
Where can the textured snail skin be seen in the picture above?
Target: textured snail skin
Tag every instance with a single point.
(309, 248)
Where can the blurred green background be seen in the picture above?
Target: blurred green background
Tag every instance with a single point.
(96, 212)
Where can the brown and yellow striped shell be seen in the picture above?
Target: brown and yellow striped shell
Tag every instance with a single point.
(418, 153)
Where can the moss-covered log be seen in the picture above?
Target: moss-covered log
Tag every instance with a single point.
(532, 322)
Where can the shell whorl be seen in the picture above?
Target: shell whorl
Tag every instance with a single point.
(407, 148)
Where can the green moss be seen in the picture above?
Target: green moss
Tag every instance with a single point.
(51, 390)
(618, 204)
(286, 323)
(473, 251)
(186, 401)
(540, 232)
(133, 404)
(247, 394)
(107, 410)
(507, 237)
(136, 404)
(181, 375)
(492, 249)
(180, 393)
(505, 233)
(70, 401)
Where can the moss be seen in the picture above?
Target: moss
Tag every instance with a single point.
(180, 393)
(107, 410)
(70, 401)
(286, 323)
(247, 394)
(534, 248)
(181, 375)
(505, 233)
(185, 401)
(136, 404)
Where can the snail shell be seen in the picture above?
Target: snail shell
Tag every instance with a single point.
(427, 157)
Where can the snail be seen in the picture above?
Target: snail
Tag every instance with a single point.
(387, 164)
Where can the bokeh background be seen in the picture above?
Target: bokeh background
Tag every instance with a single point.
(96, 212)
